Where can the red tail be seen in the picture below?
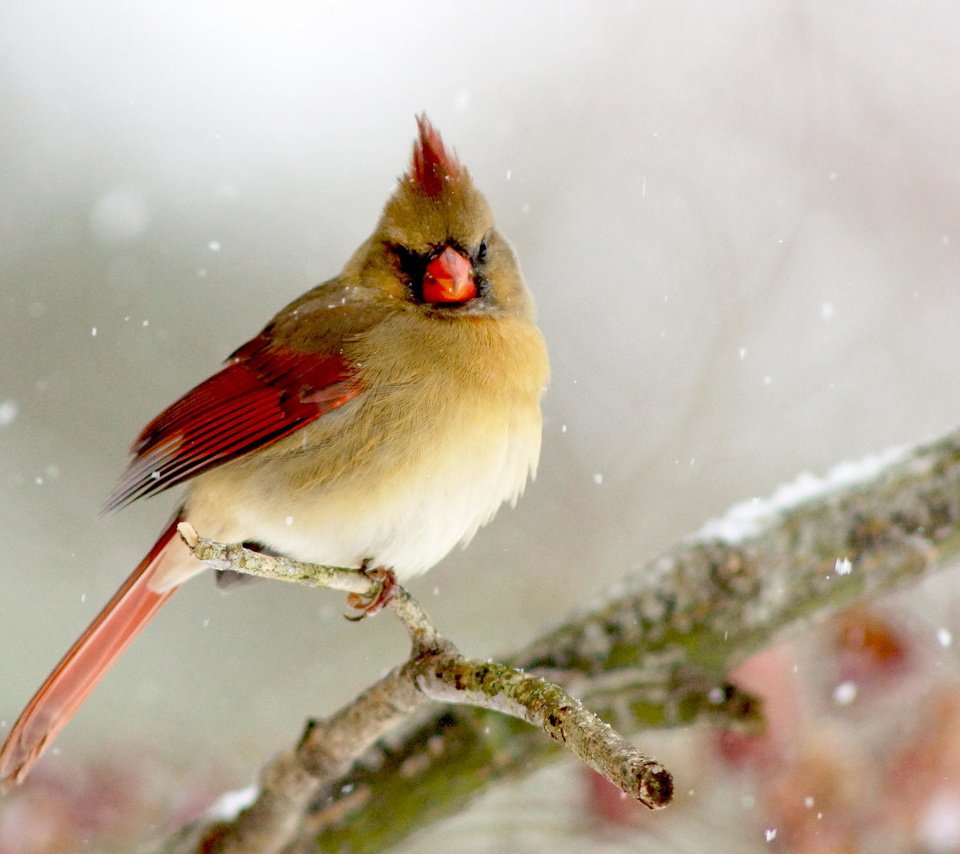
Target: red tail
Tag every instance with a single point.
(83, 666)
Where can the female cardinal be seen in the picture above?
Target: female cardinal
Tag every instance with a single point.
(376, 421)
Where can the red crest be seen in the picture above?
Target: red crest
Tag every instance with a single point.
(433, 166)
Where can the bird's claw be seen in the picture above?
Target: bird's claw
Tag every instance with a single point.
(377, 598)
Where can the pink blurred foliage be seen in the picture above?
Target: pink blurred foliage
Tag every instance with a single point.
(860, 752)
(769, 675)
(922, 783)
(113, 803)
(862, 746)
(607, 805)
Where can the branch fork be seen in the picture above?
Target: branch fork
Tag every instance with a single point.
(434, 672)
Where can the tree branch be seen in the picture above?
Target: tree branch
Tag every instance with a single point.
(435, 671)
(655, 652)
(235, 557)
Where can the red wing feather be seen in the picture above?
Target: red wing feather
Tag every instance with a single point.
(265, 393)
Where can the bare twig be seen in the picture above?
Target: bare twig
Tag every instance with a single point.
(235, 557)
(498, 687)
(434, 671)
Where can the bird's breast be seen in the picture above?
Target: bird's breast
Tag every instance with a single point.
(446, 429)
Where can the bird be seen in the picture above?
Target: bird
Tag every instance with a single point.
(376, 422)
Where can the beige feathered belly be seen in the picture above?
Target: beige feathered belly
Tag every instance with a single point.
(399, 475)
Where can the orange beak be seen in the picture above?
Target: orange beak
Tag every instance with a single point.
(449, 278)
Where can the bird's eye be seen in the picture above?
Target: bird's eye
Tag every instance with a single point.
(482, 251)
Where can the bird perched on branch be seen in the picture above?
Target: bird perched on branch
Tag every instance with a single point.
(376, 422)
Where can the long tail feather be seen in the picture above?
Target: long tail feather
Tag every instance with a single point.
(84, 665)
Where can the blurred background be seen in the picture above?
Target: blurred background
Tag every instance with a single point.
(742, 228)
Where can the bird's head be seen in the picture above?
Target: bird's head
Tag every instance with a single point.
(436, 247)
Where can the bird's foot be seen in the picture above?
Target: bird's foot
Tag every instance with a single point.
(378, 597)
